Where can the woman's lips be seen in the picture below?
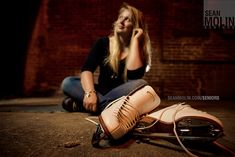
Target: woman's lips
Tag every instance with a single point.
(121, 27)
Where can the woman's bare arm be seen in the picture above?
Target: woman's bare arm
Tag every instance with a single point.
(135, 56)
(90, 97)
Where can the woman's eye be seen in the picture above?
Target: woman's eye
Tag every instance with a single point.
(128, 19)
(120, 17)
(123, 18)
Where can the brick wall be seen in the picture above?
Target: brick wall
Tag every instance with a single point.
(187, 59)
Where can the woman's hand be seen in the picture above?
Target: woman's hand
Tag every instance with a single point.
(90, 102)
(138, 33)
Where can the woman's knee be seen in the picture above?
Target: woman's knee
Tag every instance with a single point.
(70, 82)
(140, 82)
(66, 82)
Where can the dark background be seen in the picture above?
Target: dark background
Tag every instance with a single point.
(18, 23)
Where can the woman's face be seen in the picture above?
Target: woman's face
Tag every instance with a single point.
(124, 24)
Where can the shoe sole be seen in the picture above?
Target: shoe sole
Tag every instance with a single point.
(188, 129)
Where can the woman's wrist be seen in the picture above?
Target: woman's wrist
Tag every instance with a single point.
(87, 94)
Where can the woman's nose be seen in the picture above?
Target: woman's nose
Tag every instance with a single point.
(121, 22)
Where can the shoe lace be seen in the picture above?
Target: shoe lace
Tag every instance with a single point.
(179, 108)
(127, 114)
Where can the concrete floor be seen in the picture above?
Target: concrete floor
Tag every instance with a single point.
(40, 127)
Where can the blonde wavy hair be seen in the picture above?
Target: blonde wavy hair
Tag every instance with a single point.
(138, 22)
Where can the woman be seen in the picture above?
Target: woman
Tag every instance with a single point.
(122, 58)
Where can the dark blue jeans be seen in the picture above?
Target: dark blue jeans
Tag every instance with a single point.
(72, 87)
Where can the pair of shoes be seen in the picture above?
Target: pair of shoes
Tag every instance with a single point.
(70, 105)
(178, 122)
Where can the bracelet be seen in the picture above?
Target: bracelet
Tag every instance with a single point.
(88, 94)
